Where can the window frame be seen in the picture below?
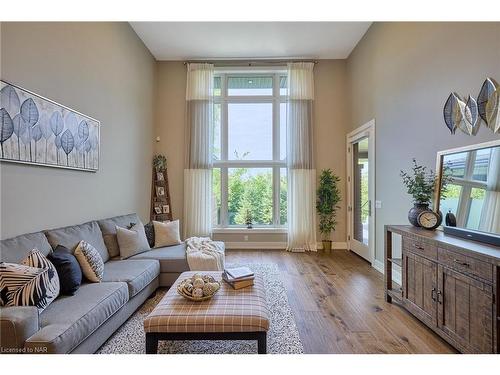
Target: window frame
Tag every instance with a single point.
(225, 164)
(467, 184)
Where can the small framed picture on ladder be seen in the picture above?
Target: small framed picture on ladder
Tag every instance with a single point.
(166, 209)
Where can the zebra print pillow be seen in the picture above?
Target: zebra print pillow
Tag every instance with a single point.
(22, 285)
(90, 261)
(36, 259)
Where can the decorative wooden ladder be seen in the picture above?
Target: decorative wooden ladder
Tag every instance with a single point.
(161, 209)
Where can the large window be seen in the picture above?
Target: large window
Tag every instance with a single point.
(249, 149)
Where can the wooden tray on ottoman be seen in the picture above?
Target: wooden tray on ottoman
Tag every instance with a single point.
(229, 315)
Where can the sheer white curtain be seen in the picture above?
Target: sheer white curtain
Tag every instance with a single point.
(300, 163)
(198, 164)
(490, 216)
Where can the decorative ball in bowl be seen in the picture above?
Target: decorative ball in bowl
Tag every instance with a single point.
(198, 287)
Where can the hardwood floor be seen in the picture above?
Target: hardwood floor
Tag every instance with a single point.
(338, 303)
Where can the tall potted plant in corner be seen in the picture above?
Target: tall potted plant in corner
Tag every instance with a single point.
(327, 200)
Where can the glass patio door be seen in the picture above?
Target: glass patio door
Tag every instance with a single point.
(360, 194)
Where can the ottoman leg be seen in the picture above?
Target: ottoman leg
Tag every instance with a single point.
(151, 343)
(262, 343)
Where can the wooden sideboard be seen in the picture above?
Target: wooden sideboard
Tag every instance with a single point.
(448, 283)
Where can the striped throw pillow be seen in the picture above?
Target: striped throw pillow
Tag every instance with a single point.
(22, 285)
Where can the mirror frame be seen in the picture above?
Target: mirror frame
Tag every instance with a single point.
(439, 164)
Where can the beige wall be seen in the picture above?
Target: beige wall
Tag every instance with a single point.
(401, 74)
(330, 116)
(104, 71)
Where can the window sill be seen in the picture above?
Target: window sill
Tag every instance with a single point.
(253, 230)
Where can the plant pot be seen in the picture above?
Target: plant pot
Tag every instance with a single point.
(416, 210)
(327, 245)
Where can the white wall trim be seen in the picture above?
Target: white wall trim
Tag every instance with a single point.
(335, 245)
(273, 245)
(259, 245)
(379, 266)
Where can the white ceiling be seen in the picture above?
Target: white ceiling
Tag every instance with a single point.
(250, 40)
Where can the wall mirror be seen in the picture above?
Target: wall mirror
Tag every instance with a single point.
(473, 195)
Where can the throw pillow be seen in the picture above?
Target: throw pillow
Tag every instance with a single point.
(149, 229)
(167, 233)
(68, 270)
(36, 259)
(132, 241)
(22, 285)
(90, 262)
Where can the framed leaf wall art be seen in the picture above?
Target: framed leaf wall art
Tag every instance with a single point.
(37, 130)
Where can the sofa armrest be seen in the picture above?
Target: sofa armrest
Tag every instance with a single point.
(17, 324)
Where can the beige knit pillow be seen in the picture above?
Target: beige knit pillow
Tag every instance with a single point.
(166, 234)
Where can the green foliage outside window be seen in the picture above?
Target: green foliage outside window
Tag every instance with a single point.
(250, 193)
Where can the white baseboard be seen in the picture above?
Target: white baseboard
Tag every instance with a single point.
(275, 245)
(396, 274)
(335, 245)
(256, 245)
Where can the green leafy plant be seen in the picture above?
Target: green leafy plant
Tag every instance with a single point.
(327, 200)
(421, 182)
(160, 162)
(248, 218)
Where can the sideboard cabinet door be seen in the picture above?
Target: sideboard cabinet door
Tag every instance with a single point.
(466, 310)
(420, 287)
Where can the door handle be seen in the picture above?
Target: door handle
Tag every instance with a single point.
(433, 294)
(440, 300)
(370, 208)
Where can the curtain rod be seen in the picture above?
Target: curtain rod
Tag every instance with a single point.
(247, 62)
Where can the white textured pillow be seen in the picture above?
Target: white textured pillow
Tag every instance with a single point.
(132, 241)
(90, 261)
(166, 234)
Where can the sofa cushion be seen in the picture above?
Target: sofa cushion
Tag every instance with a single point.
(132, 241)
(22, 285)
(68, 270)
(90, 262)
(167, 233)
(71, 236)
(69, 320)
(108, 229)
(172, 258)
(136, 273)
(13, 250)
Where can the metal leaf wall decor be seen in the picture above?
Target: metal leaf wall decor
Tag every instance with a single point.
(452, 113)
(36, 130)
(467, 116)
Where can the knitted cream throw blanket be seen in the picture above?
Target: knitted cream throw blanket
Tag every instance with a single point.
(203, 254)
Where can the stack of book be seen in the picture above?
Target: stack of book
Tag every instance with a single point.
(238, 278)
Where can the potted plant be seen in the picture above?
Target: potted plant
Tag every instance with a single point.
(159, 162)
(420, 184)
(327, 200)
(248, 218)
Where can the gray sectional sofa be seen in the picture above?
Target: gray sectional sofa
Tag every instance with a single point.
(83, 322)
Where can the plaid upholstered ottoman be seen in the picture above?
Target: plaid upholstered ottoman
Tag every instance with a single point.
(230, 315)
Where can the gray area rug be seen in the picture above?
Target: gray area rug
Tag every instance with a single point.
(282, 338)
